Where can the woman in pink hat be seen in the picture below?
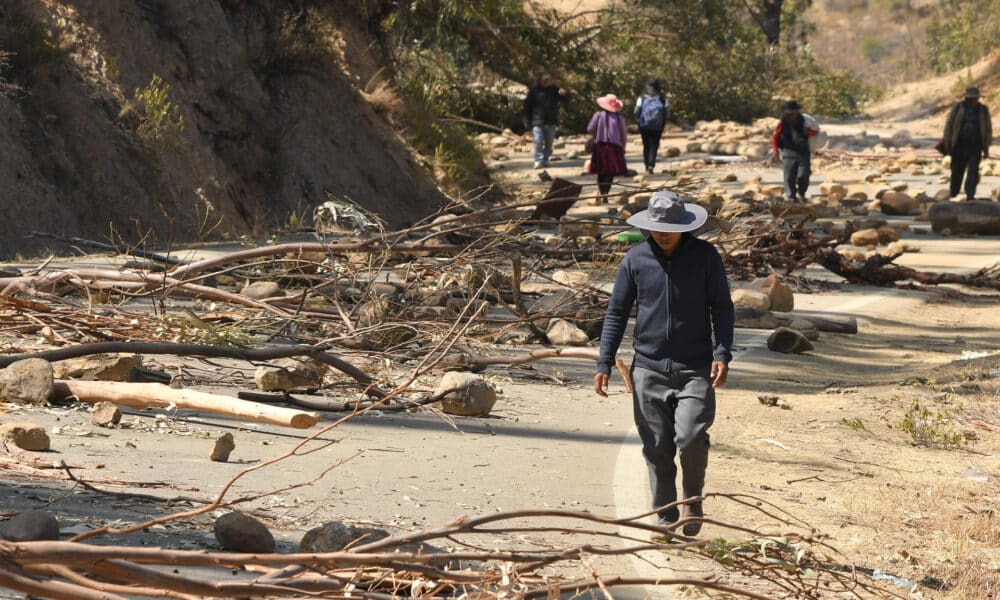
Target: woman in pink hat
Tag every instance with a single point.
(608, 128)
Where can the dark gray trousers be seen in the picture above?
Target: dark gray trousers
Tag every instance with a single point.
(796, 170)
(965, 163)
(673, 411)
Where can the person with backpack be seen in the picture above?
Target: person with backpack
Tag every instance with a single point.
(607, 126)
(790, 142)
(968, 133)
(651, 109)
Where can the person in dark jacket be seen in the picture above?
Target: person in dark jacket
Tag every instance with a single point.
(790, 142)
(968, 133)
(651, 111)
(679, 285)
(541, 114)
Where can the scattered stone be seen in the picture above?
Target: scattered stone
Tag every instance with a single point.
(750, 298)
(782, 299)
(105, 414)
(865, 237)
(590, 321)
(804, 327)
(259, 290)
(977, 217)
(561, 332)
(28, 381)
(572, 279)
(900, 247)
(238, 532)
(290, 374)
(336, 536)
(102, 367)
(465, 394)
(222, 448)
(788, 341)
(26, 436)
(768, 400)
(30, 526)
(672, 151)
(751, 318)
(897, 203)
(887, 234)
(573, 228)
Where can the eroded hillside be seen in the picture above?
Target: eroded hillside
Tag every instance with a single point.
(186, 117)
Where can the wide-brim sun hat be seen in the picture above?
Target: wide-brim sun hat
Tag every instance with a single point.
(972, 92)
(790, 106)
(669, 214)
(610, 102)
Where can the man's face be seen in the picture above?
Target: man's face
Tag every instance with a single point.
(668, 242)
(794, 116)
(546, 81)
(972, 101)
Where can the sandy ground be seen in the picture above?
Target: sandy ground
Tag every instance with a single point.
(831, 452)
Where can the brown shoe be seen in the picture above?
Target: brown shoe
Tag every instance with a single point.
(692, 511)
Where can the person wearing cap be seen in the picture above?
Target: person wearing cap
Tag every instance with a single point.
(790, 142)
(968, 133)
(541, 114)
(608, 128)
(678, 284)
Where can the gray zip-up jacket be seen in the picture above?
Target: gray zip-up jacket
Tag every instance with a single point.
(681, 299)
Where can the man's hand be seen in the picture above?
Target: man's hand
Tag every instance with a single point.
(601, 384)
(563, 91)
(720, 371)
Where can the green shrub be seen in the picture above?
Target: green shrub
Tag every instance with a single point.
(932, 427)
(160, 118)
(834, 93)
(962, 32)
(874, 49)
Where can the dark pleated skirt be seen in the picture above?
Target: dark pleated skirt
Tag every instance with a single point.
(608, 159)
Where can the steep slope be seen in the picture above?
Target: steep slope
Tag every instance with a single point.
(255, 119)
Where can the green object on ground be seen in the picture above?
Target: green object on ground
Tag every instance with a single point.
(630, 237)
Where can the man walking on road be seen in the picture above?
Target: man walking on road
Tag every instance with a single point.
(678, 283)
(790, 142)
(968, 133)
(541, 114)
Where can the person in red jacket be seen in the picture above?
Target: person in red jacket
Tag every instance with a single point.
(790, 142)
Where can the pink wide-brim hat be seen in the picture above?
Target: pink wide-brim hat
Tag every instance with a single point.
(610, 102)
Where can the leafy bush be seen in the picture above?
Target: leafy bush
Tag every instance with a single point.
(930, 427)
(160, 117)
(834, 93)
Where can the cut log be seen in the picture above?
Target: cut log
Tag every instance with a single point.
(822, 322)
(155, 395)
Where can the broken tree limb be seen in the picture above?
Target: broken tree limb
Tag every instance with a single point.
(880, 270)
(146, 395)
(203, 350)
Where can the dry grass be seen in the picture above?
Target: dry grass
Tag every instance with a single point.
(385, 99)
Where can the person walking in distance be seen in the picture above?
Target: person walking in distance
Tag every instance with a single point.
(541, 114)
(678, 284)
(968, 134)
(790, 142)
(651, 109)
(608, 128)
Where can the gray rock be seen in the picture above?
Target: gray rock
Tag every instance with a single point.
(26, 436)
(465, 394)
(222, 448)
(260, 290)
(978, 216)
(751, 318)
(30, 526)
(28, 381)
(789, 341)
(804, 327)
(755, 299)
(238, 532)
(336, 536)
(563, 333)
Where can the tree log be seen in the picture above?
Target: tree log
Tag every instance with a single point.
(146, 395)
(828, 323)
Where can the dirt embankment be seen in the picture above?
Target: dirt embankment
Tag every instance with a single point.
(268, 120)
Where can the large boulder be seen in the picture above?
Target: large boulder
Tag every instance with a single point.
(465, 394)
(28, 381)
(897, 203)
(289, 374)
(865, 237)
(563, 333)
(30, 526)
(26, 436)
(781, 297)
(238, 532)
(103, 367)
(755, 299)
(977, 216)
